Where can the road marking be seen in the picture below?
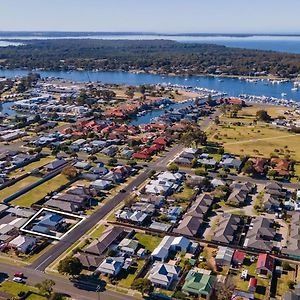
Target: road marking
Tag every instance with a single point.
(43, 262)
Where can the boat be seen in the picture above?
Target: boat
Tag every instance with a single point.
(283, 94)
(295, 89)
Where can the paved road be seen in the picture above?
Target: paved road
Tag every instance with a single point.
(35, 271)
(63, 285)
(46, 259)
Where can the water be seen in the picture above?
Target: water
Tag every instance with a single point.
(290, 44)
(7, 43)
(158, 112)
(231, 86)
(5, 108)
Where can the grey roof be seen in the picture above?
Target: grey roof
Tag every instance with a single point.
(238, 196)
(227, 229)
(261, 235)
(200, 206)
(189, 226)
(100, 245)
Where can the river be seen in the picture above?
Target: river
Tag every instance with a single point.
(231, 86)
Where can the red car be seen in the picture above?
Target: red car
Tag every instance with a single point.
(19, 274)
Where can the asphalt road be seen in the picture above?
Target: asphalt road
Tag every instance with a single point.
(35, 271)
(63, 285)
(53, 253)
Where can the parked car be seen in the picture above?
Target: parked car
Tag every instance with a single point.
(19, 274)
(18, 280)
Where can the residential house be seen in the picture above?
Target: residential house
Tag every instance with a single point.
(271, 203)
(252, 285)
(111, 266)
(163, 275)
(260, 235)
(293, 242)
(227, 229)
(170, 243)
(100, 185)
(55, 165)
(199, 282)
(100, 245)
(224, 256)
(260, 165)
(23, 243)
(128, 246)
(189, 226)
(265, 264)
(238, 257)
(52, 221)
(237, 197)
(231, 163)
(88, 261)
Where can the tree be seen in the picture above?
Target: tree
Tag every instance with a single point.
(194, 135)
(209, 100)
(112, 162)
(262, 115)
(248, 167)
(46, 286)
(173, 168)
(224, 290)
(55, 296)
(70, 171)
(129, 92)
(142, 285)
(272, 173)
(70, 265)
(180, 295)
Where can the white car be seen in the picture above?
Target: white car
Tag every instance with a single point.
(18, 280)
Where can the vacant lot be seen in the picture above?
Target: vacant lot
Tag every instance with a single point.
(17, 187)
(32, 166)
(258, 140)
(41, 191)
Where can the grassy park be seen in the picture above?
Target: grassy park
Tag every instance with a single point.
(256, 140)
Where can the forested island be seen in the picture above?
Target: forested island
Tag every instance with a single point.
(161, 56)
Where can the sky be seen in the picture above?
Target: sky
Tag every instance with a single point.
(162, 16)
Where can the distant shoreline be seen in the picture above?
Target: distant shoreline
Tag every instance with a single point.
(158, 34)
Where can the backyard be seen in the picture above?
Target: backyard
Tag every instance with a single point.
(150, 242)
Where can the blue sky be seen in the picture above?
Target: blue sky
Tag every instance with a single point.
(257, 16)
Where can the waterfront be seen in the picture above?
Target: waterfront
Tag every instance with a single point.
(230, 86)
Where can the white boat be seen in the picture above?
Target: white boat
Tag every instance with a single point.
(283, 94)
(295, 89)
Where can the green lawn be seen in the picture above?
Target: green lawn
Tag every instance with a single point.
(14, 289)
(17, 187)
(262, 283)
(32, 166)
(41, 191)
(185, 194)
(150, 242)
(127, 282)
(96, 232)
